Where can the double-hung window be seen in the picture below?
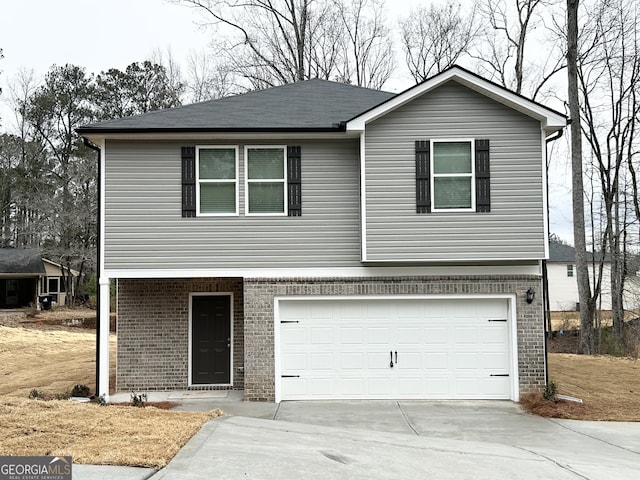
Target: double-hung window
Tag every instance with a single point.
(266, 180)
(453, 177)
(569, 270)
(217, 180)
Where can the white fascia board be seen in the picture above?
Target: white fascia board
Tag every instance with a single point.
(551, 121)
(96, 138)
(339, 272)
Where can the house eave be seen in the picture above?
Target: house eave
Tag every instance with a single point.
(96, 135)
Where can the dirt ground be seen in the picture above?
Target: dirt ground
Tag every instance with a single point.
(52, 359)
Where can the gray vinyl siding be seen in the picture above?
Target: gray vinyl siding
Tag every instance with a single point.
(514, 229)
(145, 229)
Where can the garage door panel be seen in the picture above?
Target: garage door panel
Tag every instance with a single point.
(378, 336)
(322, 361)
(379, 387)
(437, 361)
(294, 336)
(445, 348)
(320, 336)
(409, 361)
(352, 361)
(409, 336)
(495, 336)
(353, 335)
(436, 335)
(464, 334)
(378, 360)
(466, 361)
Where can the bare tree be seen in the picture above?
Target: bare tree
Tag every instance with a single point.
(272, 42)
(503, 55)
(587, 305)
(205, 78)
(609, 79)
(436, 37)
(367, 59)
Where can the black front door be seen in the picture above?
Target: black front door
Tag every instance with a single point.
(211, 340)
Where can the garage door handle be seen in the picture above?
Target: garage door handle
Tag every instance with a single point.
(391, 362)
(396, 357)
(499, 375)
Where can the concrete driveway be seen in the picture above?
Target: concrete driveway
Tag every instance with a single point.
(393, 440)
(407, 439)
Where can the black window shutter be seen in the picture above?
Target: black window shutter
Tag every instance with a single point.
(423, 193)
(188, 181)
(483, 183)
(294, 181)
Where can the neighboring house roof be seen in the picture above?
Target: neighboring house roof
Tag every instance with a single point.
(559, 253)
(20, 261)
(311, 105)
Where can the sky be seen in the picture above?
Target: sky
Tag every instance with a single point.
(103, 34)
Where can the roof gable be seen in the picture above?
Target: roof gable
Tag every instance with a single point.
(311, 105)
(551, 120)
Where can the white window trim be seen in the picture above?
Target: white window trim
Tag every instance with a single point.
(570, 270)
(471, 175)
(213, 180)
(282, 180)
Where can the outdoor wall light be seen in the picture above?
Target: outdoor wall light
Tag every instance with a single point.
(531, 294)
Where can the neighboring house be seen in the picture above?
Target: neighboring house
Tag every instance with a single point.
(25, 276)
(563, 283)
(20, 271)
(57, 282)
(324, 241)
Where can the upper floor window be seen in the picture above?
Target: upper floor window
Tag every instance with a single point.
(217, 180)
(569, 270)
(266, 179)
(452, 181)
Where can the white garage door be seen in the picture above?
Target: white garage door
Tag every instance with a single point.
(394, 349)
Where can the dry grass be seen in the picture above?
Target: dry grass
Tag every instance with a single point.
(609, 386)
(50, 360)
(570, 320)
(96, 435)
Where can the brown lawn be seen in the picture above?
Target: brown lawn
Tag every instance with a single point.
(609, 386)
(52, 360)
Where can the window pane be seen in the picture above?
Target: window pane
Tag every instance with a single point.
(266, 197)
(53, 285)
(266, 163)
(217, 163)
(218, 197)
(452, 192)
(452, 157)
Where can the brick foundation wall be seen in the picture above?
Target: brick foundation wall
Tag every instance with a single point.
(258, 310)
(153, 331)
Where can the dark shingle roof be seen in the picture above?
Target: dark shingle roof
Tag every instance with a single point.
(567, 254)
(309, 105)
(20, 260)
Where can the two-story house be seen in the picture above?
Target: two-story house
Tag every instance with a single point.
(324, 241)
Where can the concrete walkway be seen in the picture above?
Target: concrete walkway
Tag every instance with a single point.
(389, 439)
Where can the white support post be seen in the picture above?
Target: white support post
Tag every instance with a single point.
(103, 387)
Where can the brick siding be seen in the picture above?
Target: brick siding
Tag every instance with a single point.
(258, 309)
(153, 324)
(153, 331)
